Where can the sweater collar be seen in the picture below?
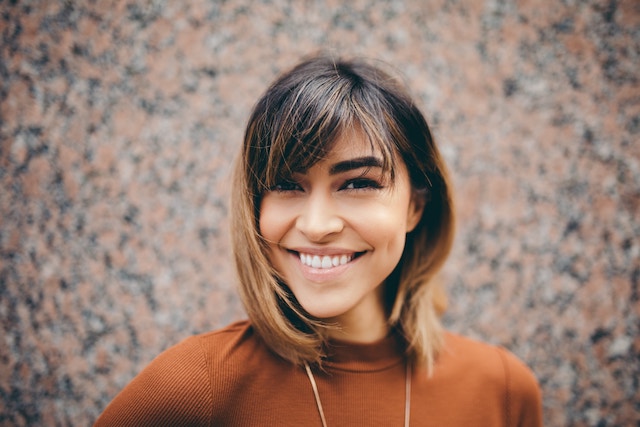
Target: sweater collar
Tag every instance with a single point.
(375, 356)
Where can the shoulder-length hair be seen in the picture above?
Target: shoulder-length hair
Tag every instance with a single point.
(292, 126)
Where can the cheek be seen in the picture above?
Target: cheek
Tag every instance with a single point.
(384, 230)
(265, 224)
(382, 221)
(272, 221)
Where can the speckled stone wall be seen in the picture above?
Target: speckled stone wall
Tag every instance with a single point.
(119, 122)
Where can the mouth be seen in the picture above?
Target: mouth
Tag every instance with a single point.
(324, 262)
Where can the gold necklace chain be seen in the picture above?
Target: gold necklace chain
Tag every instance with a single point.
(407, 394)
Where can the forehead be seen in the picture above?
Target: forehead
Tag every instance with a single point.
(351, 144)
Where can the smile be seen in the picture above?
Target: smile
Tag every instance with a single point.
(325, 261)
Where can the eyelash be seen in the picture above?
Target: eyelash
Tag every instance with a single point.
(361, 184)
(358, 184)
(285, 186)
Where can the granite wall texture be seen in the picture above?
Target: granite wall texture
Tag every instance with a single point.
(119, 121)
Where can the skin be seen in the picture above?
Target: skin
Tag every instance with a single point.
(342, 207)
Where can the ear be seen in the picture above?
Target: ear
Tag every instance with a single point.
(416, 208)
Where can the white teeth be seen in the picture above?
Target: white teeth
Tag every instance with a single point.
(325, 261)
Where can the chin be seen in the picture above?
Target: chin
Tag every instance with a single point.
(326, 315)
(323, 312)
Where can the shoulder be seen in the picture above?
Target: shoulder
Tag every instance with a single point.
(494, 369)
(487, 360)
(229, 339)
(177, 385)
(196, 356)
(228, 352)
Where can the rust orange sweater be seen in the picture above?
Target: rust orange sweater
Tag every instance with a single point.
(230, 378)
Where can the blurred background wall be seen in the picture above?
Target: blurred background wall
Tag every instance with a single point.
(119, 122)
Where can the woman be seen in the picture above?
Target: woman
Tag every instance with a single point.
(342, 216)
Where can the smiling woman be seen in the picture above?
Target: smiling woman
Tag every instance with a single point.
(345, 207)
(342, 217)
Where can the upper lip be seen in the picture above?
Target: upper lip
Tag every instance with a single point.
(323, 251)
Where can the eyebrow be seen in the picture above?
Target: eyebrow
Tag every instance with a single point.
(356, 163)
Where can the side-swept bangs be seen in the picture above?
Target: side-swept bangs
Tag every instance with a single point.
(293, 126)
(300, 117)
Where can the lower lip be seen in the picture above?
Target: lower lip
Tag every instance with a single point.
(321, 275)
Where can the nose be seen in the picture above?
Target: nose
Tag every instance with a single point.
(319, 218)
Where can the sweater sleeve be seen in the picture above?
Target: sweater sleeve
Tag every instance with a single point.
(524, 399)
(173, 390)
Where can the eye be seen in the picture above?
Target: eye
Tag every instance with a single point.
(286, 186)
(361, 184)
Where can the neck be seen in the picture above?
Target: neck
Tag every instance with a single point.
(360, 335)
(365, 323)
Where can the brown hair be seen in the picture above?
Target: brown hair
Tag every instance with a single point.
(293, 125)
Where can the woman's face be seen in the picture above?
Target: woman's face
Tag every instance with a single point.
(337, 231)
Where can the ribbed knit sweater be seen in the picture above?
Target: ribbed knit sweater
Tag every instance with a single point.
(230, 378)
